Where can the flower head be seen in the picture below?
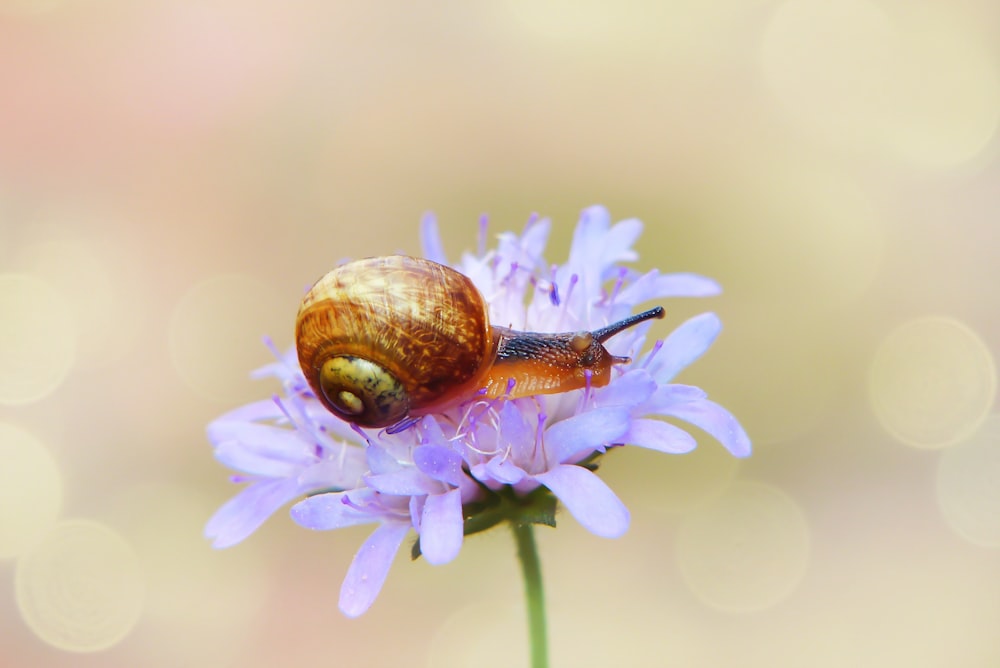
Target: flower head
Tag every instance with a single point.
(484, 460)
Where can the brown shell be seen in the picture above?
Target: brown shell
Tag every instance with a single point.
(424, 323)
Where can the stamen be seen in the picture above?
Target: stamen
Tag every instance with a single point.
(466, 415)
(622, 275)
(514, 267)
(402, 425)
(468, 431)
(652, 353)
(346, 500)
(360, 432)
(498, 437)
(484, 223)
(540, 436)
(573, 280)
(281, 407)
(298, 386)
(269, 344)
(318, 432)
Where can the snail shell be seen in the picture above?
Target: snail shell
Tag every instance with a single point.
(384, 338)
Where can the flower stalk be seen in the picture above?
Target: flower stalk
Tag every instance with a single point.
(534, 593)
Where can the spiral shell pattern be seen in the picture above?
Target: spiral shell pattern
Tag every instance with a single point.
(423, 323)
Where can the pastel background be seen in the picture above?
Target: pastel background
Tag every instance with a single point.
(174, 174)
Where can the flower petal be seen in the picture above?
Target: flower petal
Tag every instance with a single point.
(323, 512)
(329, 424)
(370, 567)
(525, 250)
(238, 457)
(263, 440)
(441, 527)
(241, 515)
(403, 482)
(585, 249)
(659, 435)
(513, 435)
(717, 421)
(345, 472)
(684, 345)
(440, 463)
(654, 285)
(687, 285)
(631, 389)
(588, 499)
(586, 432)
(674, 393)
(265, 409)
(430, 239)
(586, 260)
(617, 243)
(380, 461)
(504, 470)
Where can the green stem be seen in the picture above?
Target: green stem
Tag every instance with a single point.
(531, 569)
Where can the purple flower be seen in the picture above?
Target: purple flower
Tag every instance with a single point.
(480, 462)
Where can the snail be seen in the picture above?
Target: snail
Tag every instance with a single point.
(384, 339)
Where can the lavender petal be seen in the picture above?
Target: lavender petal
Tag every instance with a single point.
(440, 463)
(660, 436)
(244, 513)
(715, 420)
(441, 527)
(370, 567)
(403, 482)
(586, 432)
(588, 499)
(684, 345)
(616, 246)
(654, 285)
(323, 512)
(514, 436)
(263, 440)
(633, 388)
(503, 470)
(430, 239)
(674, 393)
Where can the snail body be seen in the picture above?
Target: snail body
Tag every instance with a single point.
(385, 338)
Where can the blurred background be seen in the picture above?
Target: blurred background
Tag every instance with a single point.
(174, 174)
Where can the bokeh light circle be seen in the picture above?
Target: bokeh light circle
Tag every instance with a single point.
(216, 330)
(920, 85)
(37, 340)
(100, 283)
(932, 382)
(673, 484)
(746, 551)
(30, 490)
(80, 588)
(211, 598)
(31, 9)
(946, 91)
(968, 485)
(828, 64)
(460, 639)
